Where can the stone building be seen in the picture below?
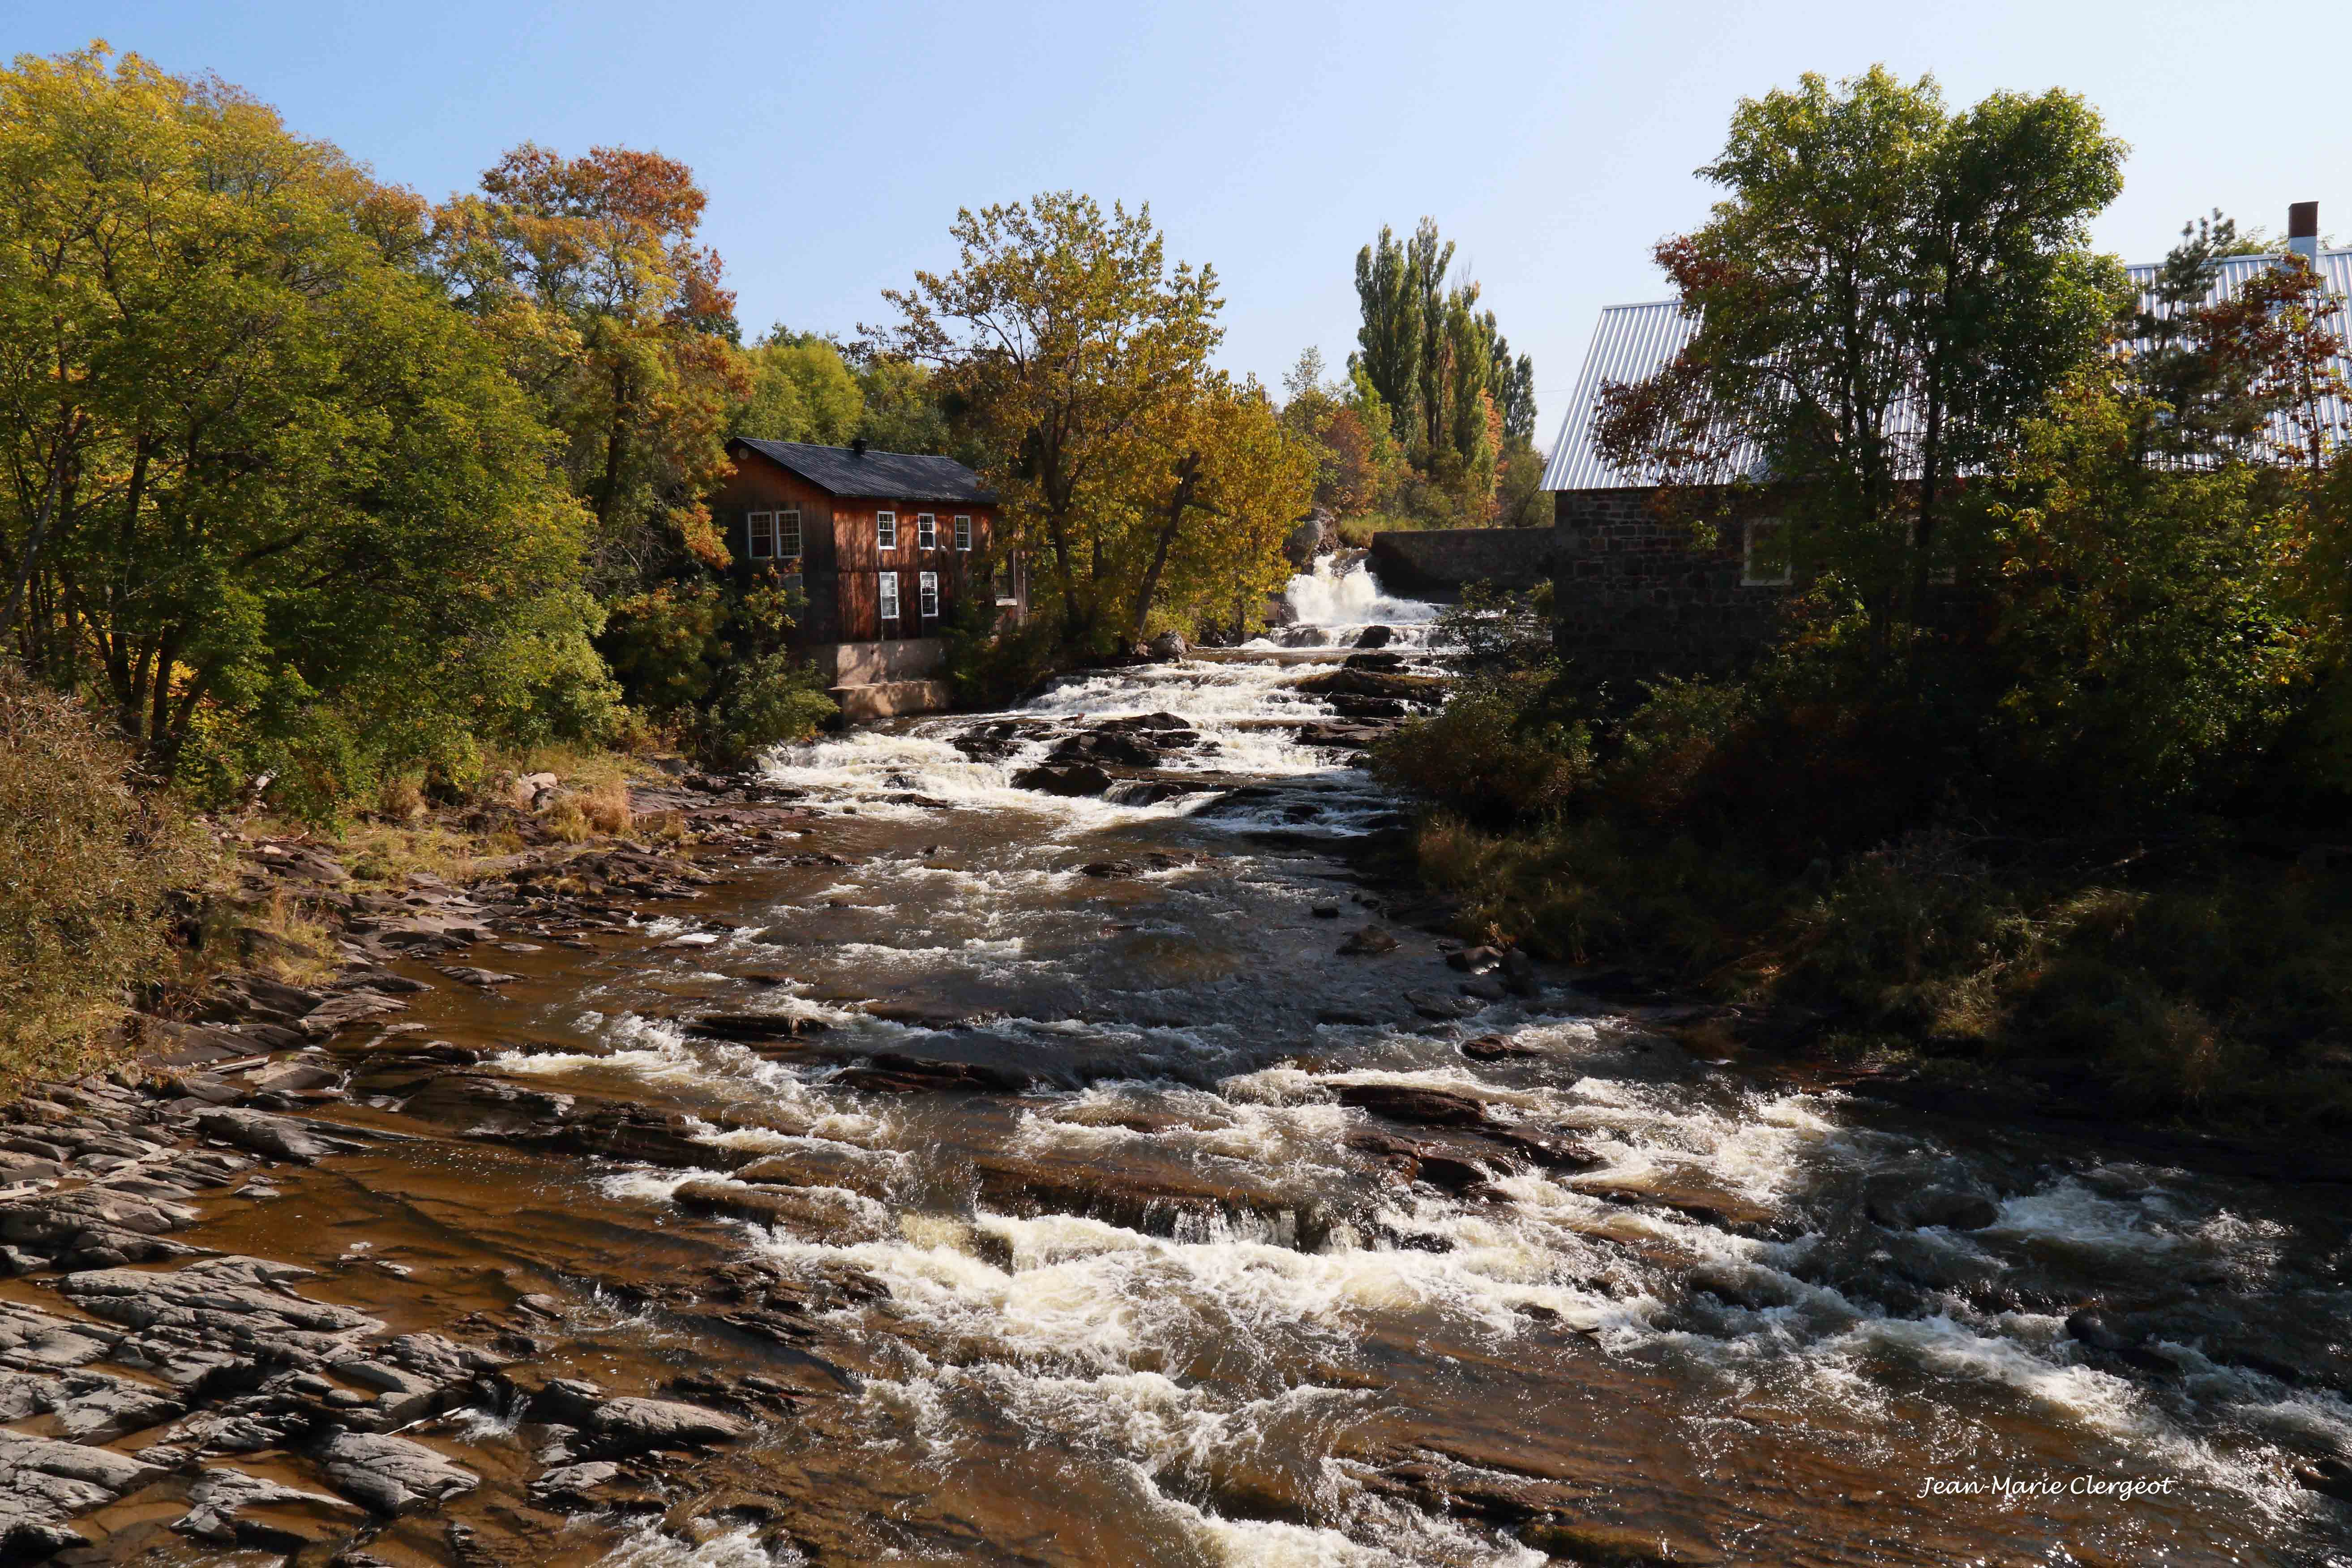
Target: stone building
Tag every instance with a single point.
(1633, 595)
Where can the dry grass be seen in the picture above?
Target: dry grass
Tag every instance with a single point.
(606, 807)
(88, 867)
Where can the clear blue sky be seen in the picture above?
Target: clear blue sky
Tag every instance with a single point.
(1554, 140)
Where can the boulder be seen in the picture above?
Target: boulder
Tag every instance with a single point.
(617, 1428)
(1375, 636)
(891, 1072)
(391, 1475)
(1168, 647)
(1070, 779)
(278, 1137)
(1372, 939)
(1413, 1103)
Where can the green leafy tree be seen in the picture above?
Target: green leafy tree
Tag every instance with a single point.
(1887, 294)
(259, 473)
(802, 389)
(1067, 339)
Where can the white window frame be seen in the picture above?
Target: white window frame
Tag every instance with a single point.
(927, 596)
(760, 529)
(886, 597)
(963, 531)
(1749, 576)
(885, 531)
(794, 523)
(927, 531)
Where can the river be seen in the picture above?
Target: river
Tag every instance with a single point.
(1175, 1303)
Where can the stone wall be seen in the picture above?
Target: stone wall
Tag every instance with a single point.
(1633, 598)
(1440, 561)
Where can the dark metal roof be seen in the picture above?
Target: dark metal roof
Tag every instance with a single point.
(886, 476)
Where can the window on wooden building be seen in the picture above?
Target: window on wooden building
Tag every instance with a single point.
(928, 587)
(889, 596)
(787, 534)
(927, 531)
(761, 527)
(885, 531)
(963, 533)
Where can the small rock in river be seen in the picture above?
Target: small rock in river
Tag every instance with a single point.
(1370, 940)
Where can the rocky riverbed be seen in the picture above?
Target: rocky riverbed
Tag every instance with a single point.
(1046, 1137)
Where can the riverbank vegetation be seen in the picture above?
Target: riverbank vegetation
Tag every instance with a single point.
(2043, 778)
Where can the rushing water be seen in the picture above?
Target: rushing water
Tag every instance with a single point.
(1707, 1345)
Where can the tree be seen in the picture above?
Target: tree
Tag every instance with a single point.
(258, 472)
(1221, 481)
(801, 390)
(1065, 337)
(618, 324)
(1884, 297)
(1456, 398)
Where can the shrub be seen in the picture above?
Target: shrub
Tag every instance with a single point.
(1487, 758)
(773, 701)
(87, 864)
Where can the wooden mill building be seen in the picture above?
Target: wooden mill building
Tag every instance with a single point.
(885, 545)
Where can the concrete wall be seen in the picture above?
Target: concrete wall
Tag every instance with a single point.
(1633, 596)
(871, 663)
(1442, 560)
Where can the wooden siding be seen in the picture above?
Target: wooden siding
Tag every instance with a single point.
(840, 560)
(757, 485)
(860, 562)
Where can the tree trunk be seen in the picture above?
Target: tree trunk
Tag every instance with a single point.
(39, 533)
(1187, 477)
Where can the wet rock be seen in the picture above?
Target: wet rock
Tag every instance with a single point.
(892, 1072)
(1370, 941)
(2330, 1477)
(33, 1338)
(1584, 1540)
(1474, 960)
(1439, 1008)
(279, 1137)
(620, 1427)
(1381, 661)
(1168, 647)
(474, 975)
(1375, 636)
(1075, 779)
(750, 1028)
(1415, 1105)
(44, 1483)
(1391, 685)
(1325, 911)
(350, 1008)
(1494, 1048)
(1901, 1203)
(834, 1217)
(232, 1306)
(2092, 1327)
(1544, 1150)
(592, 1486)
(229, 1507)
(391, 1475)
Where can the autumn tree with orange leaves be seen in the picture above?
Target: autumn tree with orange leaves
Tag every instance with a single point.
(587, 271)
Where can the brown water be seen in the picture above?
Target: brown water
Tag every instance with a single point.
(1155, 1310)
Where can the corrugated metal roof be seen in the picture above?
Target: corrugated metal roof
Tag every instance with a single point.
(1635, 342)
